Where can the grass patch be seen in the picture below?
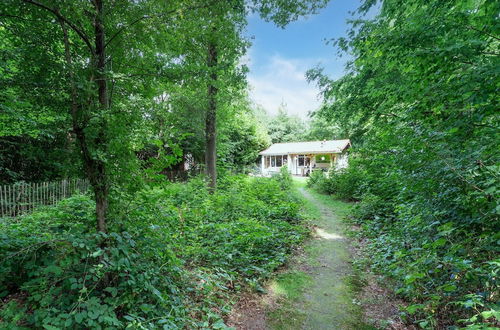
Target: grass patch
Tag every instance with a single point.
(288, 288)
(290, 285)
(341, 208)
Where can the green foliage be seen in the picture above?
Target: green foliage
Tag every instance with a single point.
(241, 137)
(315, 179)
(323, 158)
(36, 159)
(123, 84)
(346, 183)
(285, 128)
(184, 252)
(321, 129)
(284, 178)
(420, 103)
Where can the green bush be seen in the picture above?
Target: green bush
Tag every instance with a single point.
(315, 179)
(284, 178)
(70, 278)
(172, 258)
(346, 183)
(431, 238)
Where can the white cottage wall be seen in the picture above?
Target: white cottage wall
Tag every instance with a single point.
(342, 161)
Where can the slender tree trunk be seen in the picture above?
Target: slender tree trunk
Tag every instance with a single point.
(100, 181)
(94, 169)
(211, 118)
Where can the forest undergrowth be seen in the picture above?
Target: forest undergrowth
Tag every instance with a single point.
(174, 257)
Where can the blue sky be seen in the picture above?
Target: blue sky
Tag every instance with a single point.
(279, 58)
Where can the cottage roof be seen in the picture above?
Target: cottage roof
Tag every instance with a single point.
(309, 147)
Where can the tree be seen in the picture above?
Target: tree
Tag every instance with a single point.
(111, 59)
(420, 102)
(97, 43)
(320, 128)
(232, 16)
(33, 135)
(286, 128)
(242, 136)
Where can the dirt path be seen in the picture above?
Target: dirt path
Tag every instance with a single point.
(320, 289)
(328, 301)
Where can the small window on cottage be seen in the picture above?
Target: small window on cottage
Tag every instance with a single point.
(279, 161)
(273, 161)
(300, 160)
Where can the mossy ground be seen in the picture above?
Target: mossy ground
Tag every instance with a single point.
(319, 289)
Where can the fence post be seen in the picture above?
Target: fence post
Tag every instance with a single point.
(1, 201)
(16, 199)
(36, 193)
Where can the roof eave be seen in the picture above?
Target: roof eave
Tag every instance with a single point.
(263, 153)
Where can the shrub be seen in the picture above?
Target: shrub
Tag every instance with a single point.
(70, 278)
(315, 179)
(173, 257)
(345, 183)
(439, 250)
(284, 178)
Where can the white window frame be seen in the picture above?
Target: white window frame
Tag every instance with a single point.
(272, 161)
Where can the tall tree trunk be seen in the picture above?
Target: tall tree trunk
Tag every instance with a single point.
(95, 169)
(211, 118)
(100, 184)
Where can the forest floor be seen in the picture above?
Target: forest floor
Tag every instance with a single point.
(320, 288)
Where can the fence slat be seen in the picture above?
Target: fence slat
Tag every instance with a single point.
(1, 202)
(10, 198)
(35, 191)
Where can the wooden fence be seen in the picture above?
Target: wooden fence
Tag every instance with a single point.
(22, 197)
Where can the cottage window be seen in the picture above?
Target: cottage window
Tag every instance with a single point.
(275, 161)
(301, 160)
(279, 161)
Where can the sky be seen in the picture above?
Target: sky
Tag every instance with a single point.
(279, 58)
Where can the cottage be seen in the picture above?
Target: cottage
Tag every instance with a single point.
(302, 158)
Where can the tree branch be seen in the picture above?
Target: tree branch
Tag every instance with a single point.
(470, 27)
(125, 27)
(144, 17)
(56, 13)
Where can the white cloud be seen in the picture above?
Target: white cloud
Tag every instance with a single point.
(283, 80)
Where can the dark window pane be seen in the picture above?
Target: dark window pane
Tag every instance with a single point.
(279, 161)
